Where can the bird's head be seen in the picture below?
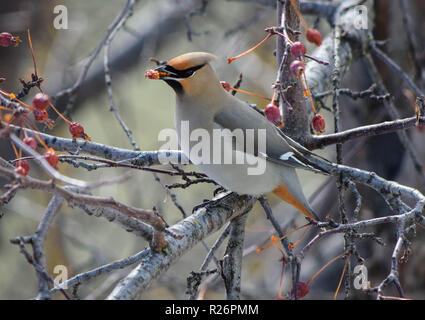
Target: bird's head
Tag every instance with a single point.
(189, 74)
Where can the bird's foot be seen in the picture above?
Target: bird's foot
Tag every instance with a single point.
(213, 203)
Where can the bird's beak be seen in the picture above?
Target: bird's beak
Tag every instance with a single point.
(164, 74)
(161, 73)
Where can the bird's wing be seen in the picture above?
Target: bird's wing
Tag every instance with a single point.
(279, 148)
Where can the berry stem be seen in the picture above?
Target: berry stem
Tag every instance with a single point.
(298, 13)
(32, 52)
(251, 93)
(230, 60)
(59, 114)
(342, 277)
(325, 266)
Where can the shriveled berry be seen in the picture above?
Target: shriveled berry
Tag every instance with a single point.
(40, 101)
(272, 113)
(41, 115)
(6, 40)
(298, 49)
(297, 67)
(318, 123)
(303, 288)
(152, 74)
(30, 142)
(77, 131)
(51, 157)
(226, 86)
(314, 36)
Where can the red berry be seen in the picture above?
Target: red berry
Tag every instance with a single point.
(226, 85)
(6, 39)
(2, 79)
(272, 113)
(26, 165)
(152, 74)
(297, 67)
(314, 36)
(51, 157)
(319, 124)
(22, 167)
(40, 115)
(40, 101)
(298, 49)
(77, 131)
(21, 171)
(30, 141)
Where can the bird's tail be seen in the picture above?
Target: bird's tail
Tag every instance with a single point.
(291, 192)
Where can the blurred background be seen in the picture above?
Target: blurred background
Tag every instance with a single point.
(157, 29)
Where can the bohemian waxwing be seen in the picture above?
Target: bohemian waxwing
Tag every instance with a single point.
(202, 103)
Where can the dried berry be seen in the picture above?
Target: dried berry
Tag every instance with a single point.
(272, 113)
(77, 131)
(226, 85)
(6, 40)
(298, 49)
(51, 157)
(152, 74)
(318, 123)
(297, 67)
(303, 288)
(314, 36)
(41, 115)
(30, 142)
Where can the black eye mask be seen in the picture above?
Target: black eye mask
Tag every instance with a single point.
(181, 74)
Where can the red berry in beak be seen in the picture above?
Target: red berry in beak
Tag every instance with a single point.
(272, 113)
(226, 86)
(51, 157)
(298, 49)
(40, 101)
(30, 142)
(319, 124)
(297, 67)
(152, 74)
(314, 36)
(40, 115)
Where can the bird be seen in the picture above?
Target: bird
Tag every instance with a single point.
(203, 103)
